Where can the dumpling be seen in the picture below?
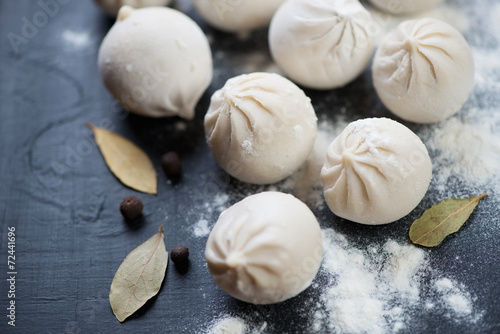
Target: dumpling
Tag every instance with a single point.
(423, 71)
(265, 249)
(405, 6)
(156, 61)
(260, 127)
(111, 7)
(321, 44)
(237, 16)
(376, 172)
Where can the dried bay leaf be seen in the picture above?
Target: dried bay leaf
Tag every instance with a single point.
(442, 219)
(139, 277)
(126, 161)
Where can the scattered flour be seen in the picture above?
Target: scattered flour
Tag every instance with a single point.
(77, 40)
(201, 229)
(471, 150)
(376, 290)
(228, 325)
(219, 202)
(459, 303)
(455, 298)
(235, 325)
(444, 285)
(467, 149)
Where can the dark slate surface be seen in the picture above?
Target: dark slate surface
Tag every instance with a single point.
(70, 238)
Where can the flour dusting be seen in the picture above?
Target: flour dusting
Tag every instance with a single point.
(378, 289)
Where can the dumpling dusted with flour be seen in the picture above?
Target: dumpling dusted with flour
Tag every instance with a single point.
(321, 44)
(423, 71)
(404, 6)
(376, 172)
(156, 61)
(265, 249)
(260, 127)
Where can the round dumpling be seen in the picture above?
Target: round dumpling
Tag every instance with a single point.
(404, 6)
(239, 15)
(423, 71)
(321, 44)
(156, 61)
(260, 127)
(376, 172)
(265, 249)
(111, 7)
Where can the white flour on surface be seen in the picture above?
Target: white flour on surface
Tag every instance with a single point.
(203, 226)
(234, 325)
(378, 289)
(78, 40)
(464, 148)
(228, 325)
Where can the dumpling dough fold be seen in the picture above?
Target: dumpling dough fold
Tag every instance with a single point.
(376, 172)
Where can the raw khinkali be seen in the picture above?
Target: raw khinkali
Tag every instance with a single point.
(321, 44)
(156, 61)
(423, 71)
(376, 172)
(260, 127)
(265, 249)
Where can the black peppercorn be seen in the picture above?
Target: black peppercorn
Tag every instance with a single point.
(171, 164)
(131, 207)
(179, 255)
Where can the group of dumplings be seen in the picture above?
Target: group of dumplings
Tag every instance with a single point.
(261, 127)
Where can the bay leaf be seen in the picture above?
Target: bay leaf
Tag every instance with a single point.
(125, 160)
(139, 277)
(442, 219)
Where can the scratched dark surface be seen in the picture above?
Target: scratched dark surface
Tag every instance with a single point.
(59, 195)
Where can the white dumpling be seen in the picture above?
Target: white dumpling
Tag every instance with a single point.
(423, 71)
(321, 44)
(376, 172)
(112, 6)
(260, 127)
(156, 62)
(265, 249)
(404, 6)
(237, 16)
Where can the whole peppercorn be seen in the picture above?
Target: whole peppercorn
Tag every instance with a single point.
(131, 207)
(171, 164)
(180, 255)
